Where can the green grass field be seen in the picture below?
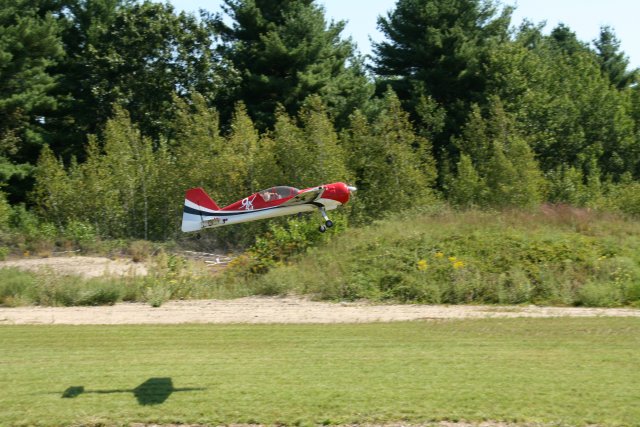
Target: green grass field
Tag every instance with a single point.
(560, 371)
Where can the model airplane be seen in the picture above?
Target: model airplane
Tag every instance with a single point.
(200, 211)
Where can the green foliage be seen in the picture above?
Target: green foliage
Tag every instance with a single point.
(139, 107)
(623, 198)
(566, 185)
(53, 191)
(283, 240)
(309, 154)
(5, 212)
(497, 168)
(467, 188)
(80, 233)
(139, 54)
(564, 106)
(394, 166)
(120, 190)
(558, 256)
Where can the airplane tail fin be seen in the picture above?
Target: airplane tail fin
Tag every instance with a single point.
(197, 204)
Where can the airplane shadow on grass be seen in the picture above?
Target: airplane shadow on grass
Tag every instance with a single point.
(153, 391)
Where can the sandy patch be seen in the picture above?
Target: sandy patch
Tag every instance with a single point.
(85, 266)
(261, 310)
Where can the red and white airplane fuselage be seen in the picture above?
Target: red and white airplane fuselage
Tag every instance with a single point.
(200, 211)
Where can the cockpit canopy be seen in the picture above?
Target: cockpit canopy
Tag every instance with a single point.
(277, 193)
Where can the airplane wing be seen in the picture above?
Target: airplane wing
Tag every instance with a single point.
(304, 197)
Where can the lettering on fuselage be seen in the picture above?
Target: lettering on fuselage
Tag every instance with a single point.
(213, 221)
(247, 203)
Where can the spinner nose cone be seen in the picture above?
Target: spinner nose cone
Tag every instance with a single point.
(351, 189)
(338, 191)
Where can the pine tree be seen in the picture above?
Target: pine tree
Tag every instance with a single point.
(614, 62)
(29, 46)
(284, 51)
(437, 48)
(529, 183)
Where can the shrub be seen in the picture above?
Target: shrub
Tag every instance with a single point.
(80, 232)
(140, 250)
(156, 295)
(284, 240)
(599, 295)
(99, 292)
(623, 197)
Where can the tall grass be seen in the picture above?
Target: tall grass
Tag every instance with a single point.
(170, 277)
(559, 255)
(49, 289)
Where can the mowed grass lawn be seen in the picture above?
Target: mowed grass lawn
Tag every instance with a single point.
(566, 371)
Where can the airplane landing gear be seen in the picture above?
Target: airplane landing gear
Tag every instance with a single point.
(327, 222)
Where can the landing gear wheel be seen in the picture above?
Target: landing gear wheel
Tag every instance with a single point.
(322, 228)
(329, 223)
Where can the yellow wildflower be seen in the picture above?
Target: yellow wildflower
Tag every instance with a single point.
(422, 265)
(458, 264)
(452, 259)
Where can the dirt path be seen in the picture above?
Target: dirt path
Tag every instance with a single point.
(278, 310)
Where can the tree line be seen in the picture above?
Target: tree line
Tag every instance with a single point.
(110, 109)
